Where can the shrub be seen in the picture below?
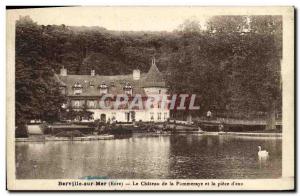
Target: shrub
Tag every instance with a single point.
(21, 131)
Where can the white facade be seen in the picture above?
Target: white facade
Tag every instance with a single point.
(155, 91)
(84, 91)
(154, 115)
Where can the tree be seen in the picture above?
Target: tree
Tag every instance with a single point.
(270, 28)
(37, 93)
(190, 26)
(233, 64)
(253, 48)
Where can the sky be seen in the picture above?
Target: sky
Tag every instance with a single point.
(147, 18)
(117, 18)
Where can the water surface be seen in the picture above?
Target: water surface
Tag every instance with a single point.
(162, 157)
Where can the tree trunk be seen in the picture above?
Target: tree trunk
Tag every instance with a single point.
(271, 121)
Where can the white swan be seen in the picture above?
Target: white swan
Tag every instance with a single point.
(200, 130)
(262, 153)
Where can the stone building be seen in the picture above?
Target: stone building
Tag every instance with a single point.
(86, 91)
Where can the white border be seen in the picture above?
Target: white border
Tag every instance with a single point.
(3, 3)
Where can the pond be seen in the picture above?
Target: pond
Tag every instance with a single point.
(143, 157)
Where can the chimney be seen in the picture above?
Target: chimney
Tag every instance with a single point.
(136, 74)
(92, 72)
(63, 71)
(153, 61)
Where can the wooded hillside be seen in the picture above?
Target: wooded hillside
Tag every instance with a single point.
(233, 65)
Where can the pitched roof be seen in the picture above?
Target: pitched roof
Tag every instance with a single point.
(154, 77)
(116, 83)
(57, 79)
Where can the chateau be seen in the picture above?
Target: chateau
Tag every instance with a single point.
(86, 91)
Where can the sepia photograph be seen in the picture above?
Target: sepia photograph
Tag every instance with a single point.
(150, 98)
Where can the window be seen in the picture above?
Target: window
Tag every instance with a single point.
(128, 89)
(107, 103)
(113, 116)
(165, 116)
(77, 87)
(77, 91)
(76, 104)
(91, 84)
(62, 90)
(127, 116)
(158, 116)
(103, 91)
(91, 104)
(133, 115)
(151, 116)
(103, 88)
(151, 101)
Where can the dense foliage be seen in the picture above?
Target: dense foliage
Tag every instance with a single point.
(37, 93)
(233, 64)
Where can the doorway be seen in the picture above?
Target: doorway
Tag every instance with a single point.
(103, 117)
(127, 116)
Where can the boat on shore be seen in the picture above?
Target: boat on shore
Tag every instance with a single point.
(251, 134)
(55, 138)
(101, 131)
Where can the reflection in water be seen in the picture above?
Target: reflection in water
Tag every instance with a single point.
(178, 156)
(224, 157)
(262, 161)
(209, 142)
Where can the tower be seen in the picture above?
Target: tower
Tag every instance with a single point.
(63, 71)
(136, 74)
(154, 82)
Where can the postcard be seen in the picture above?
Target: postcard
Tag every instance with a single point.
(150, 98)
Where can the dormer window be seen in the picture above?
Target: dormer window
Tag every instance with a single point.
(103, 88)
(128, 89)
(77, 85)
(77, 88)
(112, 84)
(91, 84)
(63, 90)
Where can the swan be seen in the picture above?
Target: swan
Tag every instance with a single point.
(200, 130)
(262, 153)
